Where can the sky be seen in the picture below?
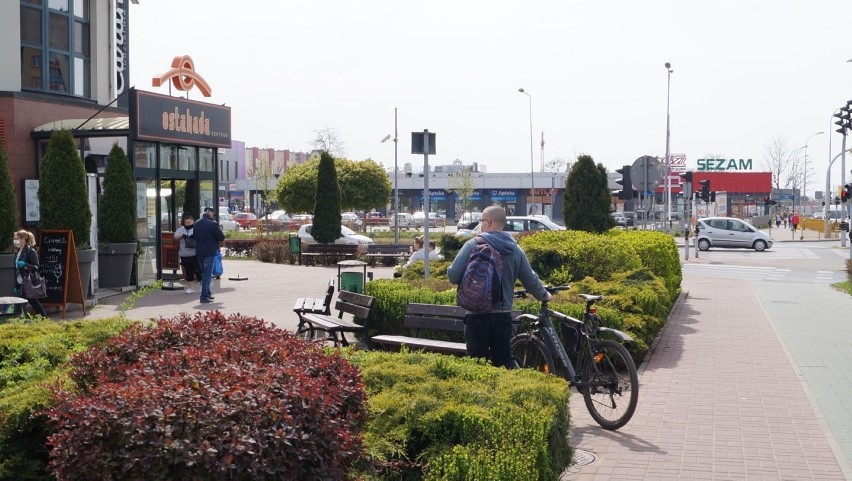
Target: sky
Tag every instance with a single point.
(746, 74)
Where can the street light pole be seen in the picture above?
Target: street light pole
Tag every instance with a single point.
(805, 178)
(532, 162)
(668, 138)
(395, 177)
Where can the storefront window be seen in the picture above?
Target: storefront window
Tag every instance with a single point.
(186, 158)
(168, 157)
(144, 155)
(206, 160)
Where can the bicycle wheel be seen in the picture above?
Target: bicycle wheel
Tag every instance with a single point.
(612, 385)
(531, 352)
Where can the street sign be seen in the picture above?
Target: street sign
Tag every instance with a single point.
(646, 173)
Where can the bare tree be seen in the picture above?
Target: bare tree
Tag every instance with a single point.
(782, 161)
(556, 165)
(462, 185)
(328, 140)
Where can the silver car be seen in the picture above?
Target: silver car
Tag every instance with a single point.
(730, 232)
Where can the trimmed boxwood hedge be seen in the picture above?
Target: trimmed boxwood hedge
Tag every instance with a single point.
(436, 417)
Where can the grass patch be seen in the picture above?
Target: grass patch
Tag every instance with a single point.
(844, 287)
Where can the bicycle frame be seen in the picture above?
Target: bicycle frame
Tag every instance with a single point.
(547, 333)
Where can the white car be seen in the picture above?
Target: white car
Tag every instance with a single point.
(730, 232)
(517, 224)
(467, 218)
(351, 218)
(228, 225)
(348, 237)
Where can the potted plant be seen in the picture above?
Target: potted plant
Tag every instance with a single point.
(64, 199)
(8, 226)
(117, 222)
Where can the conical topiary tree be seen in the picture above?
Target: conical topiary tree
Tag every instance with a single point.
(62, 194)
(190, 200)
(326, 227)
(587, 197)
(117, 208)
(8, 212)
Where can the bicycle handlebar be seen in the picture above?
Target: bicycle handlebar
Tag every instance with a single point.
(522, 293)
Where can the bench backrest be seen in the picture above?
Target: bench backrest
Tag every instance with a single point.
(358, 305)
(332, 248)
(388, 248)
(430, 316)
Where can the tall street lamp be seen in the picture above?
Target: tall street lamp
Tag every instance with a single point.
(668, 138)
(395, 177)
(805, 178)
(532, 162)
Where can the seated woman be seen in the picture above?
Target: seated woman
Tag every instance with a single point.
(421, 253)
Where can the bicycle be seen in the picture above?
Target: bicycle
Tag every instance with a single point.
(606, 374)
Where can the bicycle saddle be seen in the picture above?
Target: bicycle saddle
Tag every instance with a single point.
(591, 297)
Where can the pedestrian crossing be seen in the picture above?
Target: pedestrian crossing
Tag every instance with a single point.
(771, 274)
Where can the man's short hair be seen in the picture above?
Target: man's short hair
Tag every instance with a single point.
(209, 209)
(495, 214)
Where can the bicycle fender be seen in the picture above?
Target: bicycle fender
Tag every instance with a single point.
(623, 336)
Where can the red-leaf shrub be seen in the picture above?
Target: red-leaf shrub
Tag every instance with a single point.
(208, 397)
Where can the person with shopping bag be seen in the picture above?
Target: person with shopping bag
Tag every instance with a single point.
(26, 263)
(208, 236)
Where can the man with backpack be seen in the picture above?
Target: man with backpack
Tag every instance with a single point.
(485, 270)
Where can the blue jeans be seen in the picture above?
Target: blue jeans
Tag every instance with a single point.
(489, 336)
(206, 263)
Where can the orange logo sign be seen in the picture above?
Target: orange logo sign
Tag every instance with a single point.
(183, 76)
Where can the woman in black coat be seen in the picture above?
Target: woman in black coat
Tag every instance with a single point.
(26, 260)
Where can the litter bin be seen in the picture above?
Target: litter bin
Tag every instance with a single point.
(295, 248)
(352, 282)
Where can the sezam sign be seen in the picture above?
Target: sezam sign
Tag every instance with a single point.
(723, 165)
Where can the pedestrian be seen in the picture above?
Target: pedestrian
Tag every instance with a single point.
(26, 262)
(795, 221)
(188, 258)
(777, 221)
(208, 236)
(489, 334)
(784, 219)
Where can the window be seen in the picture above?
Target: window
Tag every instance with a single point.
(56, 46)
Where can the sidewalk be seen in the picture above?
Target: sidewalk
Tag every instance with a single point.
(719, 399)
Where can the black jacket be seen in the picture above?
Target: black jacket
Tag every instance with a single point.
(30, 258)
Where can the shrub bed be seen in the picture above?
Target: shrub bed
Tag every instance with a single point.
(208, 397)
(436, 417)
(32, 354)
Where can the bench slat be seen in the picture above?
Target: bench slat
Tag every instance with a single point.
(434, 310)
(425, 344)
(332, 323)
(435, 323)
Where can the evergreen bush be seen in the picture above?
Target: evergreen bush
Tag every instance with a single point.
(32, 355)
(233, 398)
(327, 217)
(436, 417)
(8, 211)
(117, 208)
(62, 193)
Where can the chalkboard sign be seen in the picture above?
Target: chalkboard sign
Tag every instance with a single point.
(58, 265)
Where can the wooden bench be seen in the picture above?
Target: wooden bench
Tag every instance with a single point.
(387, 251)
(334, 328)
(312, 305)
(328, 251)
(431, 317)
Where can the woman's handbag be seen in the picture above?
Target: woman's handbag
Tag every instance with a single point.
(34, 286)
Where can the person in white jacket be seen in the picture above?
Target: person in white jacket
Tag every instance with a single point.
(420, 253)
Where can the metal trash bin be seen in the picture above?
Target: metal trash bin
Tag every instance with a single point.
(352, 282)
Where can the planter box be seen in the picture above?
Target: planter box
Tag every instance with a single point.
(115, 264)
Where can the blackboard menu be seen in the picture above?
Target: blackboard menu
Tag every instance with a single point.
(58, 265)
(53, 264)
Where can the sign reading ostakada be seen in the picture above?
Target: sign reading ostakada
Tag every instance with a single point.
(161, 118)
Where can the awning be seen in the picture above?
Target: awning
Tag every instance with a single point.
(99, 127)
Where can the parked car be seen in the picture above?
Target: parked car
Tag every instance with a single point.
(467, 230)
(403, 220)
(246, 220)
(517, 224)
(351, 219)
(467, 218)
(420, 219)
(730, 232)
(619, 218)
(349, 237)
(277, 217)
(228, 225)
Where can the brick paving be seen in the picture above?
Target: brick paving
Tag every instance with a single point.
(719, 399)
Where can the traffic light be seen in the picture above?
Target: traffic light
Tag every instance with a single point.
(713, 196)
(705, 190)
(625, 182)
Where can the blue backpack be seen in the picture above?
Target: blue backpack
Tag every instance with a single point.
(481, 288)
